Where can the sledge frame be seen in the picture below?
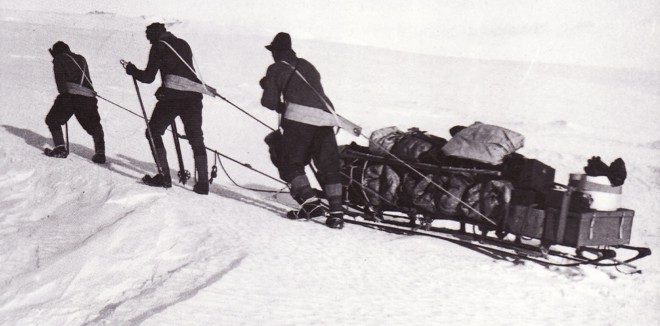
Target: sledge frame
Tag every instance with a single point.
(540, 249)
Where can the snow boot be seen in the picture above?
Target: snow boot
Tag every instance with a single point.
(301, 190)
(160, 156)
(335, 220)
(98, 158)
(202, 185)
(201, 188)
(59, 152)
(158, 180)
(309, 209)
(99, 148)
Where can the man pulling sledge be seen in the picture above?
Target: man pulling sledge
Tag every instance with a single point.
(76, 97)
(307, 124)
(179, 96)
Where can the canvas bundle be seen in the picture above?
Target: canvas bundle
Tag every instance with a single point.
(484, 143)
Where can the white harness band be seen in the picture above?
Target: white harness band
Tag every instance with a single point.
(79, 89)
(339, 121)
(208, 90)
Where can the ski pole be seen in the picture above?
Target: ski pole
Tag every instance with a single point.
(66, 129)
(183, 174)
(146, 121)
(246, 165)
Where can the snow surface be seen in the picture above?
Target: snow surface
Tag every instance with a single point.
(87, 244)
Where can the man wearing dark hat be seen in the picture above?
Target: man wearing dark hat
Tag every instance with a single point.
(179, 96)
(292, 87)
(76, 97)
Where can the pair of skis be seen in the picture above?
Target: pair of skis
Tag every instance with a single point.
(183, 174)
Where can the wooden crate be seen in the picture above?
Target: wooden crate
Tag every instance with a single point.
(591, 228)
(579, 201)
(525, 221)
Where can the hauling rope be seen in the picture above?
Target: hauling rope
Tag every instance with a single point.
(380, 183)
(293, 111)
(217, 154)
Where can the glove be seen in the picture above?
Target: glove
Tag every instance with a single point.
(617, 172)
(281, 107)
(131, 69)
(262, 83)
(596, 167)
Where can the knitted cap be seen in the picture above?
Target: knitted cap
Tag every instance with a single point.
(59, 47)
(156, 28)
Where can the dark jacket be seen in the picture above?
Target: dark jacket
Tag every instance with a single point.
(298, 91)
(66, 70)
(162, 58)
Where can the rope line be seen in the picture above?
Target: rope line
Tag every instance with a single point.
(236, 184)
(331, 109)
(217, 154)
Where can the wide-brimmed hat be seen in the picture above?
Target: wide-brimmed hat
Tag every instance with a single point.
(282, 41)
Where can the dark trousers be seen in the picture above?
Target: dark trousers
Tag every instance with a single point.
(86, 111)
(190, 112)
(302, 144)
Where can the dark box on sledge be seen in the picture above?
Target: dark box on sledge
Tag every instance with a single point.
(591, 228)
(527, 197)
(532, 174)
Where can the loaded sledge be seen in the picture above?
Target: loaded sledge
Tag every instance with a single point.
(475, 190)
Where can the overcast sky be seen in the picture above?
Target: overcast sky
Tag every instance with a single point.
(601, 32)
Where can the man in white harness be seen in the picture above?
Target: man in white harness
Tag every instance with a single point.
(179, 96)
(307, 122)
(76, 96)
